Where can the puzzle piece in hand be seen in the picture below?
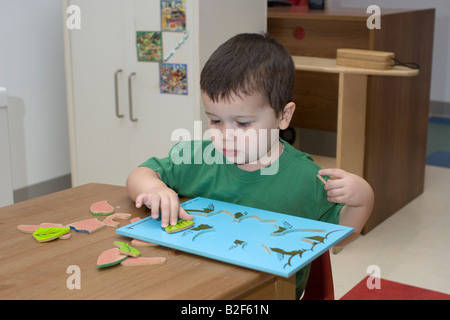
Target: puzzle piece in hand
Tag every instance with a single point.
(49, 234)
(87, 226)
(101, 208)
(180, 226)
(143, 261)
(110, 258)
(125, 248)
(109, 221)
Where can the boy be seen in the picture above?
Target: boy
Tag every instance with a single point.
(247, 86)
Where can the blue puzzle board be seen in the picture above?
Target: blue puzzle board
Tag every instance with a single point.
(257, 239)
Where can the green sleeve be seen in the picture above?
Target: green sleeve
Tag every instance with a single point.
(168, 167)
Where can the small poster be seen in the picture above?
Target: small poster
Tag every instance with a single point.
(149, 46)
(173, 15)
(173, 78)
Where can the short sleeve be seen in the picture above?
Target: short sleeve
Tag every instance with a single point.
(167, 167)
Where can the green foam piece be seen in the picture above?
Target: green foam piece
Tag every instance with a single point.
(125, 248)
(180, 226)
(50, 233)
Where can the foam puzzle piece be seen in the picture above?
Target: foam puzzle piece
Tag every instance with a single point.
(49, 234)
(65, 236)
(133, 220)
(110, 258)
(87, 226)
(143, 261)
(140, 243)
(125, 248)
(180, 226)
(109, 221)
(30, 228)
(101, 208)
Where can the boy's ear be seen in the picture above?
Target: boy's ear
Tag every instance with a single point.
(286, 115)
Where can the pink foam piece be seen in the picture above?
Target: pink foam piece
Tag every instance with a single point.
(133, 220)
(65, 237)
(101, 208)
(141, 243)
(110, 257)
(109, 221)
(143, 261)
(30, 228)
(87, 226)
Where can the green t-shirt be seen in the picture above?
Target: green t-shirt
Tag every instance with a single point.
(192, 170)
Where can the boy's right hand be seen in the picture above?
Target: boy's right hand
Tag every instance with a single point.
(164, 200)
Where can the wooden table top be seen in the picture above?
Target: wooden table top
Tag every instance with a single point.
(317, 64)
(32, 270)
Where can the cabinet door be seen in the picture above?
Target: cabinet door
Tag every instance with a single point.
(158, 114)
(99, 138)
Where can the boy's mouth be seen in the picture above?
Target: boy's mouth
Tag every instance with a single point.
(229, 153)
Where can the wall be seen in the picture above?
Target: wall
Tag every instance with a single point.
(440, 95)
(32, 69)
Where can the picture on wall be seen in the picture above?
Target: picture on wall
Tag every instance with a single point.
(173, 16)
(149, 46)
(173, 78)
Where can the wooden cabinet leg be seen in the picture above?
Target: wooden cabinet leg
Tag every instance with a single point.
(351, 122)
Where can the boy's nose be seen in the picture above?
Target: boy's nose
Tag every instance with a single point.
(228, 134)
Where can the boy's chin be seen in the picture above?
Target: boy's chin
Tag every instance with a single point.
(241, 161)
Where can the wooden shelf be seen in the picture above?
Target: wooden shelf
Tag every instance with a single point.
(324, 162)
(329, 65)
(380, 116)
(351, 106)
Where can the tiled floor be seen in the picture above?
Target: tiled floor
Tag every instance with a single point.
(412, 246)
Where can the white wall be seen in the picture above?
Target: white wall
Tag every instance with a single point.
(440, 77)
(32, 69)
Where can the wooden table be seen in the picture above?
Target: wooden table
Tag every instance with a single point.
(32, 270)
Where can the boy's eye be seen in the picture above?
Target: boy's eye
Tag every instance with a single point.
(243, 124)
(214, 121)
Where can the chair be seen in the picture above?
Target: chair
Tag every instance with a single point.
(320, 282)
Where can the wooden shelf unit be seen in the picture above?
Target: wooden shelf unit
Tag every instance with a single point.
(393, 130)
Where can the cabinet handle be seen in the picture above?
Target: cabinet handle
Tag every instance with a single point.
(130, 96)
(116, 92)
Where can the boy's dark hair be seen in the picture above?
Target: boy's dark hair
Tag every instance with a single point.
(250, 63)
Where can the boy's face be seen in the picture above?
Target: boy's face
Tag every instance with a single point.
(244, 129)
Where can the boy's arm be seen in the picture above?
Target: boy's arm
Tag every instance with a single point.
(356, 194)
(145, 187)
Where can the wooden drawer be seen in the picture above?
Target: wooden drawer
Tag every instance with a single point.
(319, 38)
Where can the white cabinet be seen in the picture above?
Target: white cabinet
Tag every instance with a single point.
(6, 190)
(107, 86)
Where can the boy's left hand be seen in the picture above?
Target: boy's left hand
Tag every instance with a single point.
(347, 188)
